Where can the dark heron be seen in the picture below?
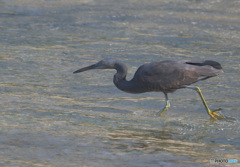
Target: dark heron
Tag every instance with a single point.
(163, 76)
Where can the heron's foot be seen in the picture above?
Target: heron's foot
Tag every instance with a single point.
(164, 109)
(215, 115)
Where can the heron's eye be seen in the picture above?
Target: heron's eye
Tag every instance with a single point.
(102, 62)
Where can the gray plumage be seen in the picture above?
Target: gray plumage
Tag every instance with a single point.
(163, 76)
(167, 76)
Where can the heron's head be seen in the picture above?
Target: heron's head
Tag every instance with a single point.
(108, 63)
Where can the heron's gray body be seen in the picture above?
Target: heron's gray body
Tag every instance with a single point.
(164, 76)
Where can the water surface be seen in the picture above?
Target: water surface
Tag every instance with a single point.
(50, 117)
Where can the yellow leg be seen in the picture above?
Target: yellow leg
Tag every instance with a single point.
(167, 106)
(210, 112)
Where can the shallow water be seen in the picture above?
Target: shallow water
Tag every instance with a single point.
(50, 117)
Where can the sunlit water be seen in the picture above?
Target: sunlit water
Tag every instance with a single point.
(50, 117)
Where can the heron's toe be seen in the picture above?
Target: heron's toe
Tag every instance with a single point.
(215, 115)
(219, 109)
(212, 116)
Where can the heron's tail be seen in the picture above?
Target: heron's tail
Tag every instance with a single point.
(212, 63)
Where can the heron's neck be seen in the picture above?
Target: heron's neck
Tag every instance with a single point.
(120, 79)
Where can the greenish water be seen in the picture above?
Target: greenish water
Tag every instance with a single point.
(50, 117)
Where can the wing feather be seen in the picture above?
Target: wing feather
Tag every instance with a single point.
(168, 76)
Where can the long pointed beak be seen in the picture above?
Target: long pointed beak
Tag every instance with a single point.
(94, 66)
